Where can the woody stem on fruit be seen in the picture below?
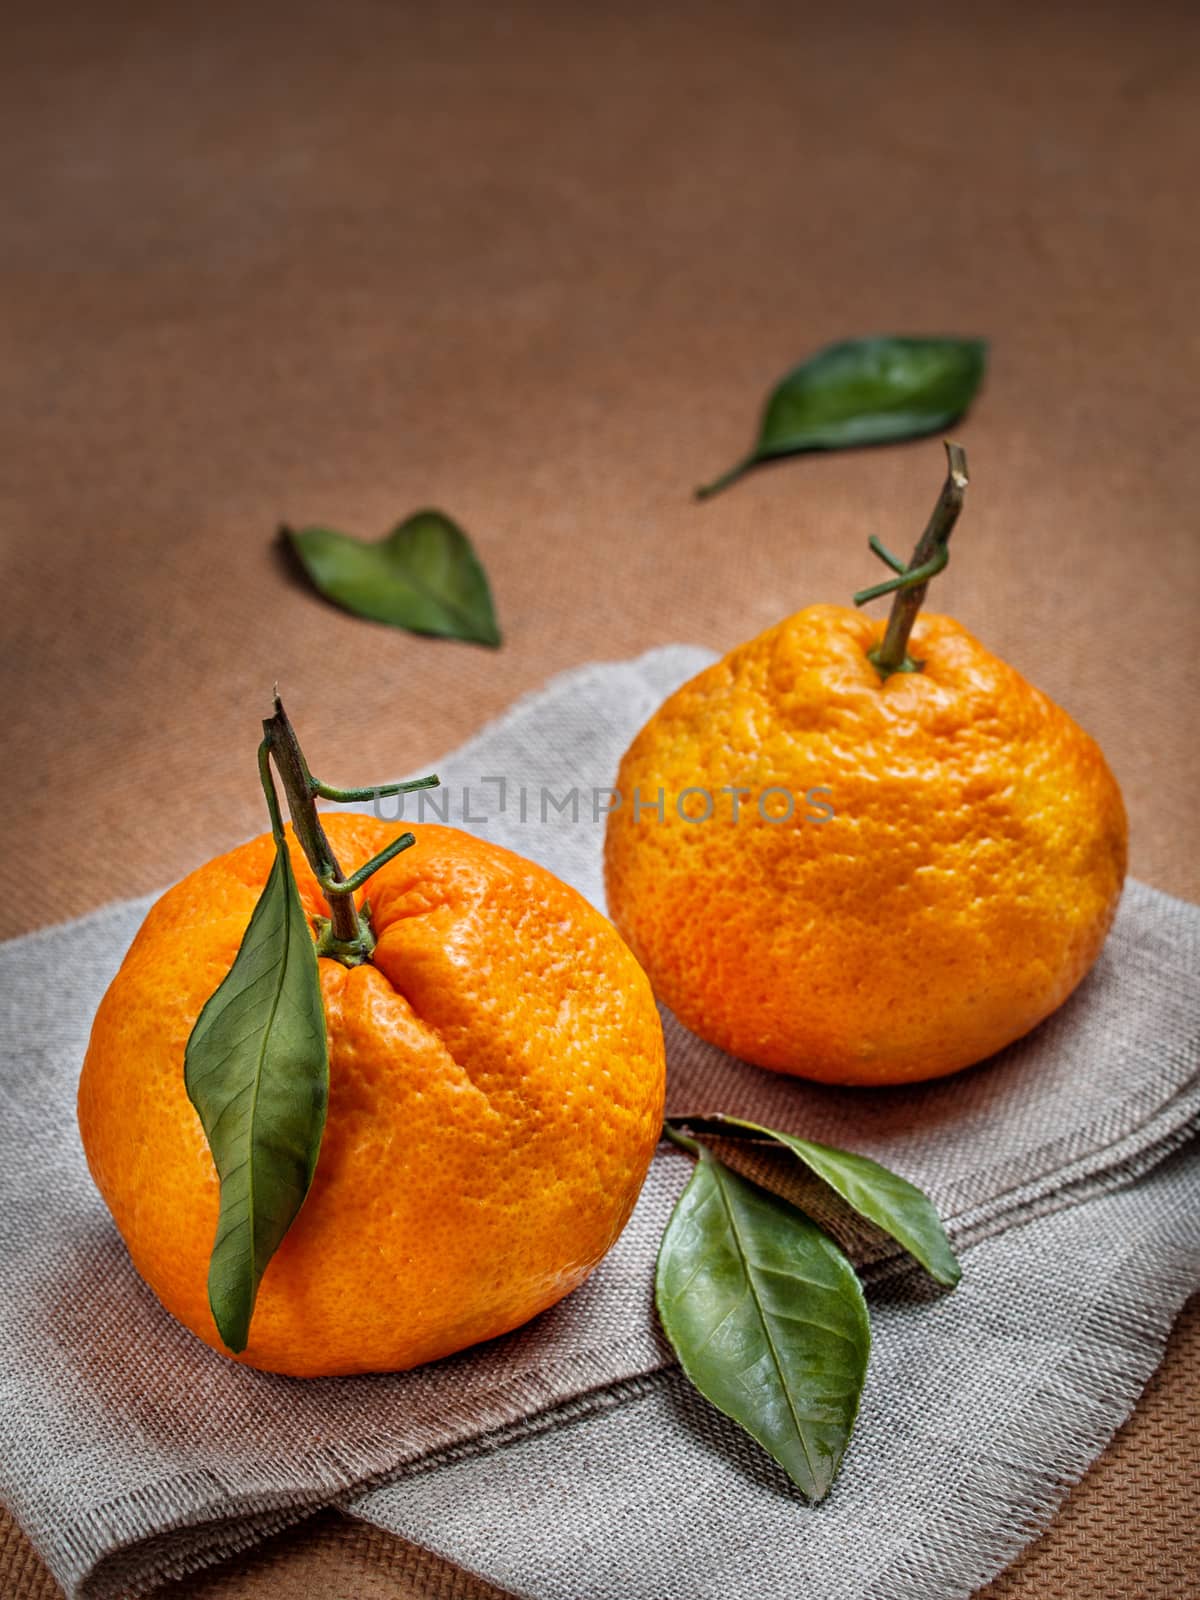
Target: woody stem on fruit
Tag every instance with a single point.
(909, 586)
(347, 936)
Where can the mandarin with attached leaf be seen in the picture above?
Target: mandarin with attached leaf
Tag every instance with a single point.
(495, 1097)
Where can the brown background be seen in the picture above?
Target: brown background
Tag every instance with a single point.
(538, 265)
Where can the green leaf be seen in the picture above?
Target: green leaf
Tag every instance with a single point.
(883, 1197)
(866, 391)
(767, 1318)
(257, 1071)
(423, 576)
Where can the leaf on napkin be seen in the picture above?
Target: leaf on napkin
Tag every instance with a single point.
(767, 1318)
(883, 1197)
(866, 391)
(424, 576)
(257, 1072)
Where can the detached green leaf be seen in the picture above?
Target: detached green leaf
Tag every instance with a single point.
(866, 391)
(767, 1318)
(423, 576)
(257, 1071)
(883, 1197)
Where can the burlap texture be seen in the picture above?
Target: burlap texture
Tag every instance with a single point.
(979, 1404)
(538, 265)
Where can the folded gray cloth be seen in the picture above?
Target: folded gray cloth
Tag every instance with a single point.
(979, 1408)
(130, 1452)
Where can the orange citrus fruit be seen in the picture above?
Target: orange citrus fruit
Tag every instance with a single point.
(495, 1096)
(961, 888)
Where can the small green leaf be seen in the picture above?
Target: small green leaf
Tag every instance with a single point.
(866, 391)
(883, 1197)
(767, 1318)
(423, 576)
(257, 1071)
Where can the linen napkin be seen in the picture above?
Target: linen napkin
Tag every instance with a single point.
(980, 1406)
(130, 1452)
